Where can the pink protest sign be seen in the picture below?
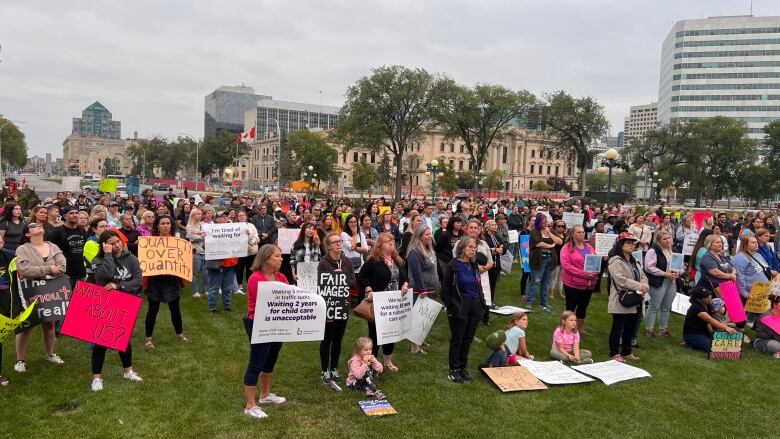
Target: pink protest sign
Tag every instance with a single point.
(699, 217)
(102, 317)
(733, 303)
(773, 322)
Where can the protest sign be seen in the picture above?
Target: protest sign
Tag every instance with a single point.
(383, 209)
(555, 372)
(681, 303)
(306, 273)
(773, 322)
(484, 280)
(604, 243)
(287, 313)
(334, 289)
(592, 264)
(637, 255)
(52, 295)
(514, 236)
(424, 313)
(611, 372)
(133, 185)
(758, 300)
(525, 252)
(8, 325)
(392, 315)
(226, 240)
(726, 346)
(677, 262)
(689, 242)
(105, 318)
(513, 378)
(165, 255)
(699, 217)
(508, 310)
(573, 219)
(286, 239)
(72, 184)
(377, 408)
(734, 308)
(108, 185)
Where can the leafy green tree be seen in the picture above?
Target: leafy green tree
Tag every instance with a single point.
(387, 110)
(143, 155)
(312, 149)
(558, 184)
(446, 179)
(383, 177)
(411, 167)
(363, 176)
(14, 151)
(771, 153)
(466, 179)
(494, 180)
(541, 185)
(756, 185)
(110, 166)
(218, 153)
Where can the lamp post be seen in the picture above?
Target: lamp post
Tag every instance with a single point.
(480, 179)
(278, 157)
(659, 189)
(197, 154)
(1, 145)
(313, 179)
(606, 168)
(432, 170)
(652, 195)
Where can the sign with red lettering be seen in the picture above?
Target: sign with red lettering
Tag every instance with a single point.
(102, 317)
(53, 296)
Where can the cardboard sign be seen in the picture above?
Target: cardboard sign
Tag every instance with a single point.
(52, 295)
(508, 310)
(604, 243)
(726, 346)
(734, 308)
(105, 318)
(758, 300)
(8, 325)
(383, 209)
(681, 303)
(108, 185)
(555, 372)
(773, 322)
(226, 240)
(484, 280)
(306, 272)
(377, 408)
(573, 219)
(165, 255)
(392, 315)
(689, 242)
(334, 289)
(592, 264)
(677, 263)
(424, 313)
(611, 372)
(286, 239)
(514, 236)
(513, 378)
(525, 252)
(286, 313)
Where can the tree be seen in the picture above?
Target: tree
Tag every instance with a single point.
(217, 153)
(312, 149)
(110, 166)
(14, 151)
(771, 148)
(173, 158)
(142, 154)
(363, 176)
(541, 185)
(494, 180)
(558, 184)
(755, 184)
(466, 179)
(446, 179)
(411, 167)
(573, 126)
(660, 150)
(387, 110)
(383, 177)
(480, 116)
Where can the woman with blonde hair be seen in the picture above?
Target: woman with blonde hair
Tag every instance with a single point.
(147, 223)
(196, 236)
(421, 268)
(663, 283)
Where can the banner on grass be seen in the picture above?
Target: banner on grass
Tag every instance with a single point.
(758, 300)
(513, 378)
(377, 407)
(165, 255)
(284, 313)
(105, 318)
(52, 295)
(392, 315)
(226, 240)
(8, 325)
(555, 372)
(726, 346)
(334, 289)
(424, 313)
(286, 239)
(611, 372)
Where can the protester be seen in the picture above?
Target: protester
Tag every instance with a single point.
(147, 223)
(422, 268)
(767, 340)
(306, 248)
(11, 230)
(625, 276)
(663, 284)
(363, 369)
(769, 254)
(716, 267)
(70, 238)
(566, 342)
(445, 243)
(386, 226)
(542, 260)
(128, 229)
(497, 248)
(642, 231)
(354, 243)
(578, 285)
(91, 248)
(696, 328)
(244, 267)
(222, 277)
(196, 235)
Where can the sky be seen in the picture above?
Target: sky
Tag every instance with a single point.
(151, 62)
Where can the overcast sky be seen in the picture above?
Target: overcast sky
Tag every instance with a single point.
(152, 62)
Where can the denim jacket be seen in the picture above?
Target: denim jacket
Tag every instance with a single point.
(747, 272)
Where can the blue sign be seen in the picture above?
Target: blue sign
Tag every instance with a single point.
(133, 185)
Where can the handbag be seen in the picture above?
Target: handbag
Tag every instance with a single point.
(629, 299)
(365, 310)
(357, 261)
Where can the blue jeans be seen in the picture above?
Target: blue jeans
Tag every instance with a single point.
(199, 267)
(540, 282)
(698, 342)
(221, 279)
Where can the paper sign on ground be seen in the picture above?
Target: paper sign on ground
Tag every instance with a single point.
(306, 273)
(287, 313)
(108, 185)
(726, 346)
(681, 303)
(611, 372)
(334, 289)
(573, 219)
(514, 236)
(733, 302)
(677, 262)
(604, 243)
(525, 252)
(758, 300)
(484, 279)
(555, 372)
(376, 407)
(689, 242)
(508, 310)
(225, 240)
(165, 255)
(286, 239)
(105, 318)
(8, 325)
(513, 378)
(773, 322)
(52, 297)
(592, 264)
(392, 315)
(424, 314)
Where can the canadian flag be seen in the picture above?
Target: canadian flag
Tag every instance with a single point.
(246, 136)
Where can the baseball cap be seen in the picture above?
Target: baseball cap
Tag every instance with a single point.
(68, 208)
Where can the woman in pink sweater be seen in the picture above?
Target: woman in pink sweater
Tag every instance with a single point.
(578, 285)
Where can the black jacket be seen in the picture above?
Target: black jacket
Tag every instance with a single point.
(265, 224)
(376, 274)
(450, 294)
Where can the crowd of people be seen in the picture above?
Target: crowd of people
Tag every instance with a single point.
(442, 250)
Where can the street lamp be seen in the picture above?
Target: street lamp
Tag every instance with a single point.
(480, 180)
(432, 170)
(659, 189)
(1, 144)
(655, 177)
(278, 157)
(606, 168)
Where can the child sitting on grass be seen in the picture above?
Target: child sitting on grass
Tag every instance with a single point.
(566, 342)
(718, 312)
(515, 339)
(363, 366)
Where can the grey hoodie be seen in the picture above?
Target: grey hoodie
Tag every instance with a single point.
(123, 270)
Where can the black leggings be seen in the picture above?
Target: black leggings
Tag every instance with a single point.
(151, 316)
(524, 282)
(243, 269)
(99, 357)
(620, 335)
(387, 349)
(577, 300)
(330, 346)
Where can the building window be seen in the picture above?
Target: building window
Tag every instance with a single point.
(373, 157)
(462, 148)
(452, 164)
(504, 154)
(556, 171)
(365, 156)
(548, 170)
(530, 184)
(452, 147)
(549, 156)
(460, 165)
(441, 147)
(532, 169)
(355, 156)
(557, 156)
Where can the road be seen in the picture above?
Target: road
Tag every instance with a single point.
(42, 187)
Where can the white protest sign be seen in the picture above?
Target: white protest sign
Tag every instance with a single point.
(508, 310)
(573, 219)
(286, 239)
(226, 240)
(604, 243)
(681, 303)
(306, 273)
(484, 279)
(689, 242)
(555, 372)
(392, 315)
(287, 313)
(424, 313)
(611, 372)
(514, 236)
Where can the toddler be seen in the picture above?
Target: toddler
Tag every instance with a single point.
(363, 366)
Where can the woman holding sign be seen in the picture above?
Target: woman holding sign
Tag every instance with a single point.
(750, 265)
(663, 283)
(578, 284)
(305, 249)
(115, 268)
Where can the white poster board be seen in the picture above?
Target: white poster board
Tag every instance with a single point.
(424, 313)
(72, 184)
(392, 315)
(604, 243)
(611, 372)
(484, 279)
(681, 303)
(514, 236)
(555, 372)
(306, 273)
(286, 239)
(573, 219)
(689, 242)
(286, 313)
(508, 310)
(226, 240)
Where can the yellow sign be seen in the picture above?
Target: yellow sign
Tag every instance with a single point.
(8, 326)
(383, 209)
(165, 255)
(108, 185)
(758, 301)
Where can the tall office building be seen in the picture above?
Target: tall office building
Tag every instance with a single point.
(726, 66)
(292, 116)
(95, 121)
(640, 120)
(225, 108)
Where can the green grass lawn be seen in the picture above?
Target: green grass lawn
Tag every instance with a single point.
(195, 389)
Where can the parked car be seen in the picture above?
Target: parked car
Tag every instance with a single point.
(160, 187)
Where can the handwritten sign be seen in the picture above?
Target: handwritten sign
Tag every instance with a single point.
(677, 262)
(102, 317)
(726, 346)
(513, 378)
(604, 243)
(8, 325)
(165, 255)
(392, 315)
(306, 273)
(52, 297)
(286, 239)
(592, 264)
(555, 372)
(689, 242)
(734, 308)
(484, 280)
(611, 372)
(334, 289)
(226, 240)
(424, 313)
(573, 219)
(286, 313)
(758, 300)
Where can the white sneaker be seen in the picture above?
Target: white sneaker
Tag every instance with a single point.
(97, 385)
(54, 358)
(132, 376)
(20, 367)
(239, 291)
(196, 294)
(256, 412)
(272, 399)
